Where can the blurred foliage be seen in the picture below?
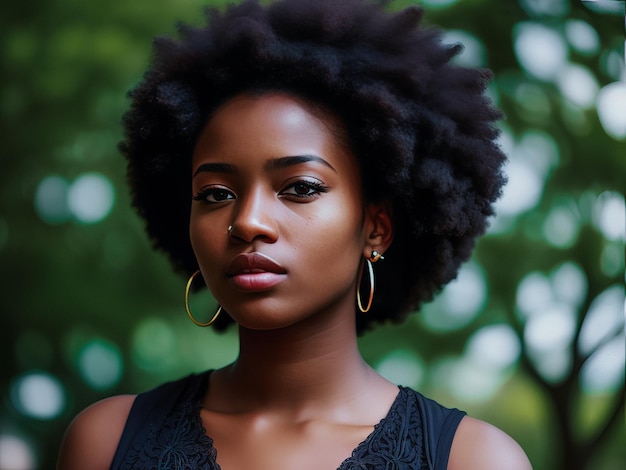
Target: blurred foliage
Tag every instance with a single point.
(80, 295)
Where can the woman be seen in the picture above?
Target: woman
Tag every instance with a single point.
(279, 154)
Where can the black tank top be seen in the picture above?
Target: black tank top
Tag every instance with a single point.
(164, 431)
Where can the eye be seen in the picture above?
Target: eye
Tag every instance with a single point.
(213, 195)
(303, 189)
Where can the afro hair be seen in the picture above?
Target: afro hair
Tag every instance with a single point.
(421, 127)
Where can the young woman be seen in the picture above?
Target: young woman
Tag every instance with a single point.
(323, 167)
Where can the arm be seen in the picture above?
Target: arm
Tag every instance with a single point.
(92, 438)
(480, 446)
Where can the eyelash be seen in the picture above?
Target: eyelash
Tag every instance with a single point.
(204, 193)
(314, 186)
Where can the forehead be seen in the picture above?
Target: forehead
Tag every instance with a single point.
(273, 124)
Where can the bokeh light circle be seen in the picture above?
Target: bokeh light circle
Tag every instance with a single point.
(582, 36)
(540, 50)
(460, 302)
(604, 370)
(579, 85)
(551, 330)
(494, 346)
(90, 198)
(402, 367)
(100, 364)
(474, 53)
(38, 395)
(16, 453)
(611, 104)
(51, 199)
(154, 344)
(603, 320)
(609, 215)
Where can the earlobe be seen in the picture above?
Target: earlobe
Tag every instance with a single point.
(378, 228)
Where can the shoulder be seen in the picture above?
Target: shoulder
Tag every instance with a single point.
(478, 445)
(92, 438)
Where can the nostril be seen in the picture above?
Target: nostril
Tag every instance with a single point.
(253, 216)
(251, 230)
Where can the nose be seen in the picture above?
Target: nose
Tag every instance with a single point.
(253, 218)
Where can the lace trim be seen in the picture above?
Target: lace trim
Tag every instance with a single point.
(396, 441)
(181, 443)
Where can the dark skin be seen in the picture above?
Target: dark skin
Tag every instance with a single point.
(299, 394)
(298, 382)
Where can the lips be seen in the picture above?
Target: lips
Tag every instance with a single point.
(255, 271)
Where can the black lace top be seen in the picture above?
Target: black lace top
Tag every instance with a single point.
(164, 431)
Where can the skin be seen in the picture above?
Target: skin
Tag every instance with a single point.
(299, 394)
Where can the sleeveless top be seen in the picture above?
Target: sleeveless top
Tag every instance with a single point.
(164, 431)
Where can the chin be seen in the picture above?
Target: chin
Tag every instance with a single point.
(265, 323)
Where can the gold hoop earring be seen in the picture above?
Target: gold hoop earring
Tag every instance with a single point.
(370, 271)
(189, 314)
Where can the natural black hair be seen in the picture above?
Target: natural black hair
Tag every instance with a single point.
(421, 127)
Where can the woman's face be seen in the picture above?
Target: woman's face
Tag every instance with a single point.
(275, 172)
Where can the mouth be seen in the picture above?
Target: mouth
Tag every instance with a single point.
(255, 272)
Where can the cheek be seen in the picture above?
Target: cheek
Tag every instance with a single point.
(195, 234)
(204, 238)
(334, 234)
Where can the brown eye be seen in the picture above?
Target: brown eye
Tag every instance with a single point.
(214, 195)
(302, 189)
(220, 195)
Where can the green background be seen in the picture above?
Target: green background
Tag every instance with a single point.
(89, 310)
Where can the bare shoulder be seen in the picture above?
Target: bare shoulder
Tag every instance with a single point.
(479, 445)
(92, 438)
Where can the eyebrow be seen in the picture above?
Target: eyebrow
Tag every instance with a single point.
(216, 168)
(273, 164)
(284, 162)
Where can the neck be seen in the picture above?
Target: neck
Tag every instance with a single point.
(298, 365)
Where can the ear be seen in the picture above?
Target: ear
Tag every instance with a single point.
(378, 228)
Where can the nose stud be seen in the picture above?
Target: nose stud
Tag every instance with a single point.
(230, 229)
